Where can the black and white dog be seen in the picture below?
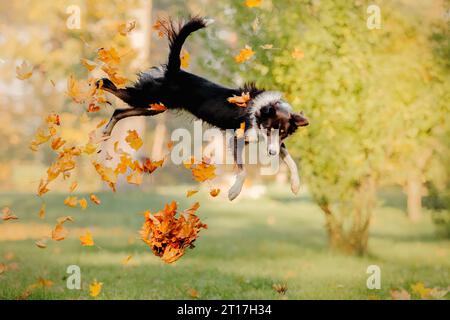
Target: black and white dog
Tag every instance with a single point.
(177, 89)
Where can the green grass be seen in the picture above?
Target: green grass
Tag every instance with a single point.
(249, 246)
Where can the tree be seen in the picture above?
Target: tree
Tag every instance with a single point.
(356, 85)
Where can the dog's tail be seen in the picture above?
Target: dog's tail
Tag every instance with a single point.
(177, 37)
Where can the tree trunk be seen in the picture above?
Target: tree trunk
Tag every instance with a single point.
(353, 239)
(414, 196)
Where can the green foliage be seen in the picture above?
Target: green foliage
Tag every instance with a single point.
(377, 100)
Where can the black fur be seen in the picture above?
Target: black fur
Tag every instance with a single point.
(178, 89)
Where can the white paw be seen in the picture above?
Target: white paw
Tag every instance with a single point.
(295, 185)
(234, 191)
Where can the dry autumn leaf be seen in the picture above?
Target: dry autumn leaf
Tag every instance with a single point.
(240, 101)
(281, 288)
(7, 214)
(193, 293)
(134, 140)
(420, 289)
(135, 178)
(80, 91)
(110, 57)
(95, 199)
(59, 232)
(297, 54)
(42, 243)
(126, 260)
(125, 28)
(190, 193)
(158, 107)
(86, 240)
(401, 294)
(71, 201)
(83, 203)
(95, 288)
(253, 3)
(150, 166)
(88, 64)
(24, 71)
(185, 57)
(244, 55)
(159, 27)
(169, 235)
(214, 192)
(42, 210)
(73, 186)
(202, 171)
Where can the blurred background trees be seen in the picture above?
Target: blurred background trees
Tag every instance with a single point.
(377, 99)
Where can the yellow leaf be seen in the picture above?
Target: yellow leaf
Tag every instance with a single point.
(94, 199)
(95, 288)
(253, 3)
(134, 140)
(24, 71)
(125, 28)
(87, 240)
(244, 55)
(126, 260)
(190, 193)
(110, 56)
(298, 54)
(88, 64)
(135, 178)
(185, 57)
(71, 201)
(73, 186)
(83, 203)
(42, 211)
(420, 289)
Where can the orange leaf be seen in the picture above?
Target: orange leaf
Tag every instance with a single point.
(150, 166)
(89, 65)
(7, 214)
(190, 193)
(135, 178)
(87, 240)
(42, 211)
(214, 192)
(24, 71)
(73, 186)
(134, 140)
(83, 203)
(253, 3)
(240, 101)
(71, 201)
(94, 199)
(185, 57)
(95, 288)
(110, 56)
(158, 107)
(125, 28)
(244, 55)
(297, 54)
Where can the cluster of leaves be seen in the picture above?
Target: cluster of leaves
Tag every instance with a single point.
(419, 291)
(169, 235)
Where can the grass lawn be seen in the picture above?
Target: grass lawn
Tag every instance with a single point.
(249, 246)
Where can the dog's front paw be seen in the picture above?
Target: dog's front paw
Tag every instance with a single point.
(295, 185)
(234, 191)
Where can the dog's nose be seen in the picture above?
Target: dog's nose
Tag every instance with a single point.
(272, 152)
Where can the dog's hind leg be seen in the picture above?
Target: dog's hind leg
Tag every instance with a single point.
(238, 149)
(121, 114)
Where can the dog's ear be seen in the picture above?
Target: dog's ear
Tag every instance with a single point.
(299, 120)
(268, 111)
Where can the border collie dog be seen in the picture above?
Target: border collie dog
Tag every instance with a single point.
(177, 89)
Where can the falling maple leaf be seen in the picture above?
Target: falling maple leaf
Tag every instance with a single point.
(244, 55)
(7, 214)
(42, 243)
(59, 232)
(95, 288)
(113, 75)
(42, 210)
(110, 57)
(214, 192)
(126, 260)
(169, 236)
(281, 288)
(159, 27)
(73, 186)
(193, 293)
(190, 193)
(80, 91)
(24, 71)
(420, 289)
(202, 171)
(42, 188)
(95, 199)
(240, 101)
(83, 203)
(297, 54)
(134, 140)
(86, 240)
(185, 57)
(125, 28)
(71, 201)
(150, 166)
(135, 178)
(401, 294)
(57, 143)
(158, 107)
(253, 3)
(107, 174)
(88, 64)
